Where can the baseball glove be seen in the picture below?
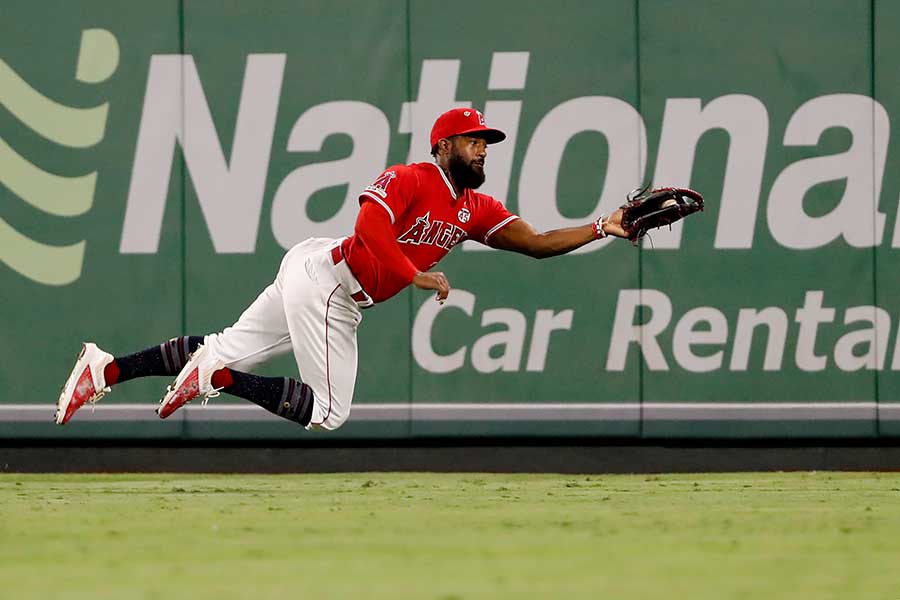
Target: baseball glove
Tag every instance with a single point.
(648, 209)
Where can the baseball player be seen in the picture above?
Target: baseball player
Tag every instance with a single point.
(410, 217)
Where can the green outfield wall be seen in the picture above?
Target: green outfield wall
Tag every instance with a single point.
(157, 159)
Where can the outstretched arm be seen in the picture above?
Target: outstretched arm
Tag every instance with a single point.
(519, 236)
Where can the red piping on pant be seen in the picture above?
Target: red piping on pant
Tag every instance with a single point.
(327, 363)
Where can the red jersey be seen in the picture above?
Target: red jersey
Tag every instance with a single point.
(428, 220)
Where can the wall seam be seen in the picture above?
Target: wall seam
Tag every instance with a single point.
(185, 433)
(642, 175)
(181, 34)
(409, 293)
(875, 203)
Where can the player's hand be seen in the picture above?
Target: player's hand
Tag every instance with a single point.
(433, 281)
(613, 225)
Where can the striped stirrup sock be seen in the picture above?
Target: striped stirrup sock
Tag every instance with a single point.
(167, 358)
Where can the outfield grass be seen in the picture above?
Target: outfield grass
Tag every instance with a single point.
(461, 536)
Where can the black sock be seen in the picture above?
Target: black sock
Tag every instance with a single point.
(167, 358)
(284, 396)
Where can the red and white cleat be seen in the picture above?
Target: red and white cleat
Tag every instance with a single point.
(86, 383)
(194, 380)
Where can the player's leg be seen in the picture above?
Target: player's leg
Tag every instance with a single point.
(286, 397)
(329, 363)
(218, 365)
(206, 375)
(260, 333)
(323, 321)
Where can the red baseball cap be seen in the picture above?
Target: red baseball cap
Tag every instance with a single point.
(464, 121)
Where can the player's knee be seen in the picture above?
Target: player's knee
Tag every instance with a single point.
(246, 365)
(339, 418)
(332, 419)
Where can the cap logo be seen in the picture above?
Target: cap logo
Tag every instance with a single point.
(480, 118)
(467, 113)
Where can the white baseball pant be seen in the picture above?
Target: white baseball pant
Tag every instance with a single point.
(308, 308)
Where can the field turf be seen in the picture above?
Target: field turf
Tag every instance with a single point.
(459, 536)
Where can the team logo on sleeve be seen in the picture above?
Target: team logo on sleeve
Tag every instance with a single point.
(463, 215)
(433, 233)
(380, 185)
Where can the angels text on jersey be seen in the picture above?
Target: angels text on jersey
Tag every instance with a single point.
(433, 232)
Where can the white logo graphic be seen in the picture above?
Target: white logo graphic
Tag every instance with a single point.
(230, 190)
(463, 215)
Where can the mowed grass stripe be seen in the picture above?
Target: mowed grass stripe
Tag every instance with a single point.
(450, 536)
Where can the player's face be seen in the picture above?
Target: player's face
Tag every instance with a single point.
(466, 161)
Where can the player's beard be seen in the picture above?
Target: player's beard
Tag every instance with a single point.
(465, 174)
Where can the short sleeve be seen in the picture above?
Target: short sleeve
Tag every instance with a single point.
(491, 217)
(393, 190)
